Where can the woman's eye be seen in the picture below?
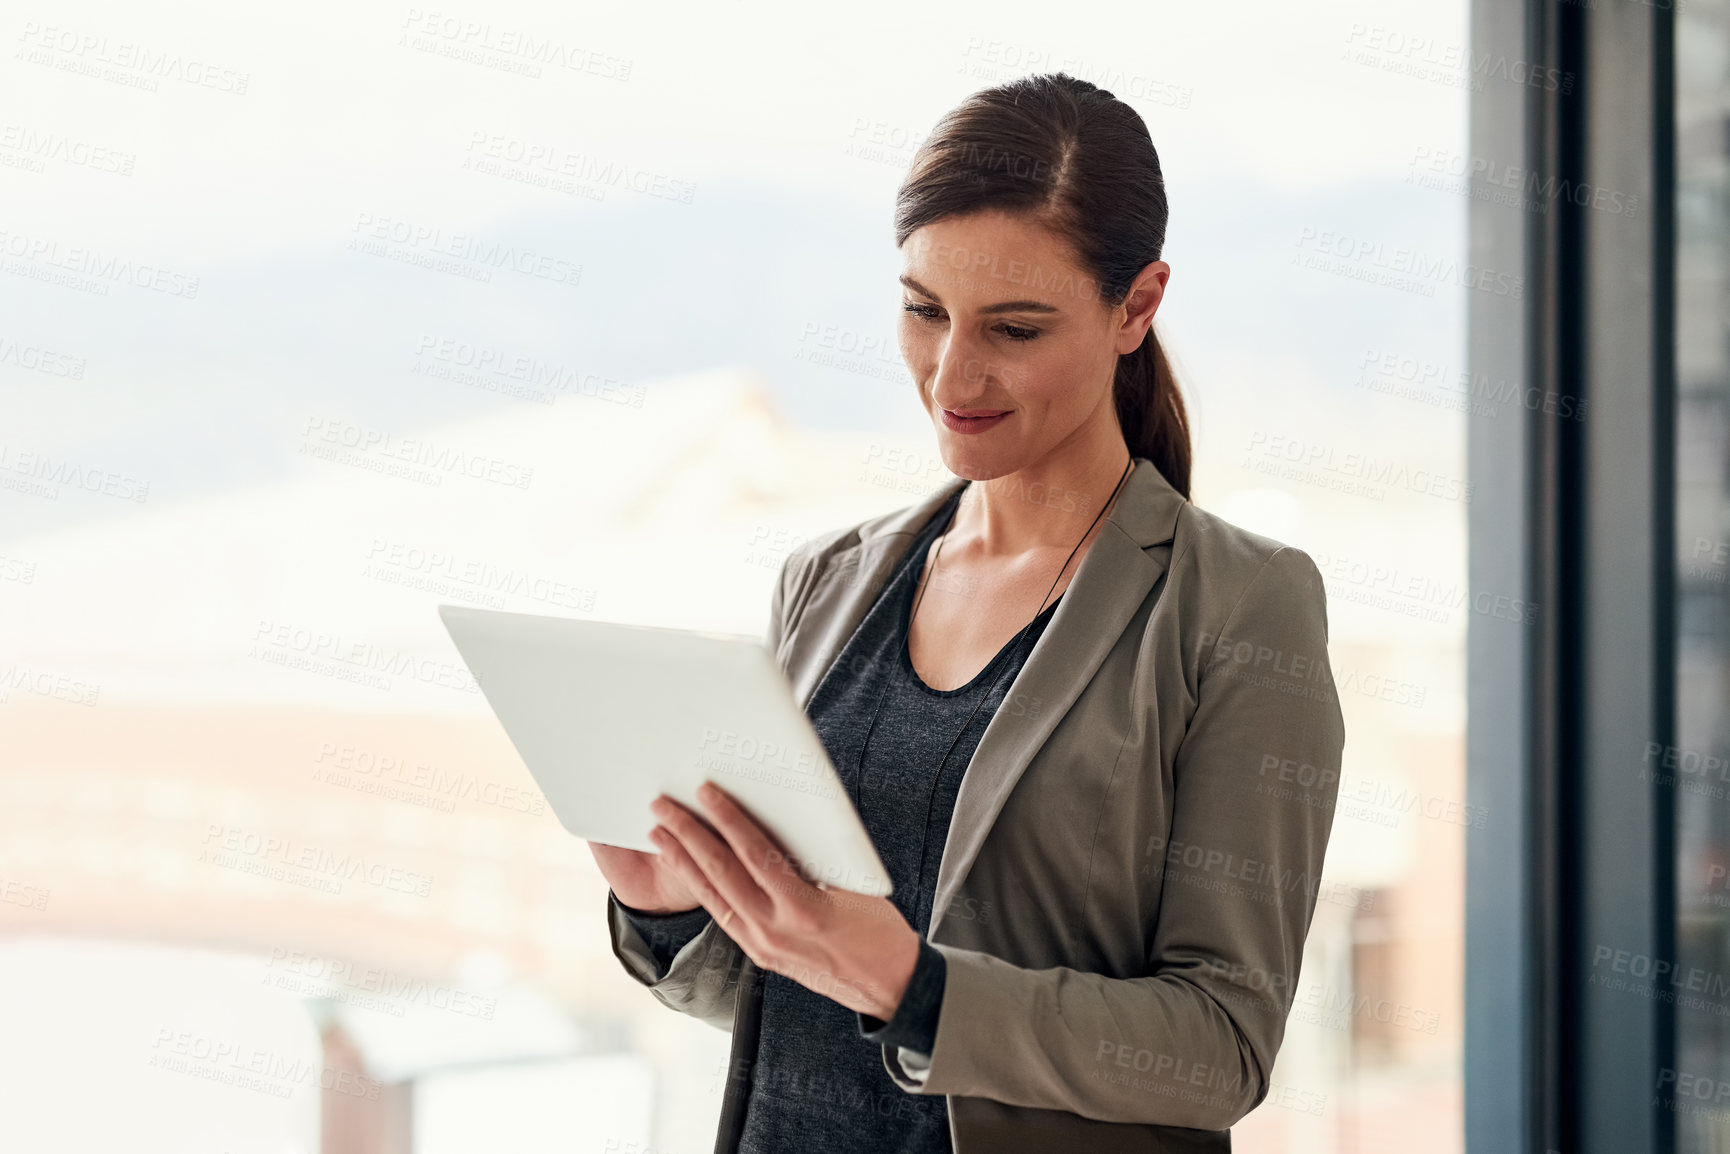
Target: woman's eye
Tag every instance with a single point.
(929, 313)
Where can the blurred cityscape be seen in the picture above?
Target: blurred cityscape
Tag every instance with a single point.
(374, 313)
(294, 854)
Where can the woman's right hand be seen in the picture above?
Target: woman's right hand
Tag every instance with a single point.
(642, 880)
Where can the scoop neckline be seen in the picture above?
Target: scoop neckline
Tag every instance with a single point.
(973, 683)
(912, 571)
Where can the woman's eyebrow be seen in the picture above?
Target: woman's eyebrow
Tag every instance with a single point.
(1025, 306)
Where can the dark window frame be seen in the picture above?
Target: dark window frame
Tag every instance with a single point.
(1576, 516)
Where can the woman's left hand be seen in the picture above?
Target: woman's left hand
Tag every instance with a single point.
(856, 950)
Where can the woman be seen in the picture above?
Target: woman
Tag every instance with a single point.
(1091, 729)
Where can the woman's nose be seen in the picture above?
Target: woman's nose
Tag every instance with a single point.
(961, 375)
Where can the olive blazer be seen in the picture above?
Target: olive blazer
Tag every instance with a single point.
(1136, 849)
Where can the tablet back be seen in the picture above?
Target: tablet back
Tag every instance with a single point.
(608, 716)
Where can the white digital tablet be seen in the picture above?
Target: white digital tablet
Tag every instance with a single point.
(607, 717)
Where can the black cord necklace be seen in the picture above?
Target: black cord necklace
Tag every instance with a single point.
(906, 656)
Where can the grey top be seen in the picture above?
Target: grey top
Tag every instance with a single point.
(819, 1082)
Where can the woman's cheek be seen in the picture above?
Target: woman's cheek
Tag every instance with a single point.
(915, 351)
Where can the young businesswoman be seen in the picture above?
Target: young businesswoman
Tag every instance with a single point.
(1091, 728)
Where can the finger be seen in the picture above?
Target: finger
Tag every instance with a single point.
(679, 860)
(765, 857)
(715, 860)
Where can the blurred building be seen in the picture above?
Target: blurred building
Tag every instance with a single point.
(301, 784)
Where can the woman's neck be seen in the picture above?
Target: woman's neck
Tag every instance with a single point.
(1047, 504)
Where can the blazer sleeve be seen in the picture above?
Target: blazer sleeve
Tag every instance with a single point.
(703, 977)
(1192, 1042)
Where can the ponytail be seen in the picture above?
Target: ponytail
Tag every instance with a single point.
(1150, 411)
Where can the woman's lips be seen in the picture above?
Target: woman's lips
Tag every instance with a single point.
(965, 420)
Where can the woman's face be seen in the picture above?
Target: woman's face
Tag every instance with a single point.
(1012, 349)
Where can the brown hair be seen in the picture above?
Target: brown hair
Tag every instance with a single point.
(1071, 156)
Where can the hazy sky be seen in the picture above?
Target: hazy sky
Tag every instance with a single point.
(276, 178)
(338, 112)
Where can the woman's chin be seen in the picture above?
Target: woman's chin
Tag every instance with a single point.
(973, 462)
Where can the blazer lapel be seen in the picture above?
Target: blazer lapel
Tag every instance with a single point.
(1113, 579)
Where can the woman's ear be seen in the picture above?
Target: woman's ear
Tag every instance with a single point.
(1140, 304)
